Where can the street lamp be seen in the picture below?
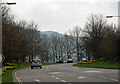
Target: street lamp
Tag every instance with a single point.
(118, 20)
(1, 36)
(111, 16)
(1, 24)
(8, 3)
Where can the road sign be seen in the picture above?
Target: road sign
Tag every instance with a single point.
(2, 58)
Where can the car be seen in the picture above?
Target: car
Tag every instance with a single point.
(70, 61)
(59, 61)
(36, 63)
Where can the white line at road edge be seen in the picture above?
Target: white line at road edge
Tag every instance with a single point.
(63, 80)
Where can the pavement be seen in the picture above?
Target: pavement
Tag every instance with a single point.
(66, 73)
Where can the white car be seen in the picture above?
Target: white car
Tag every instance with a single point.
(36, 63)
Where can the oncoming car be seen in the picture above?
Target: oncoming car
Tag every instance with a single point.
(36, 63)
(70, 61)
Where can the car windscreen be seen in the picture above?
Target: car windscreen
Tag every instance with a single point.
(35, 61)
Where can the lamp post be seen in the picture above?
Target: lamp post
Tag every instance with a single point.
(118, 20)
(111, 16)
(8, 3)
(1, 56)
(1, 24)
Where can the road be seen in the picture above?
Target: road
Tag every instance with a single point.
(66, 73)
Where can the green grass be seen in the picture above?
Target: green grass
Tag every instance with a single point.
(100, 64)
(50, 63)
(7, 76)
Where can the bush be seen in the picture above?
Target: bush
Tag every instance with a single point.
(93, 60)
(7, 68)
(9, 64)
(101, 59)
(82, 62)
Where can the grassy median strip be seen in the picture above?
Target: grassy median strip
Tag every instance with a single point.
(100, 64)
(7, 76)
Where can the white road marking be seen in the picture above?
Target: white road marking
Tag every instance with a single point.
(54, 72)
(63, 80)
(81, 77)
(57, 78)
(115, 70)
(92, 75)
(37, 80)
(93, 71)
(114, 79)
(53, 76)
(101, 77)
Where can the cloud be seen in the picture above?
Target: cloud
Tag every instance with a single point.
(61, 15)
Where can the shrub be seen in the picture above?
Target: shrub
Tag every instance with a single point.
(82, 62)
(9, 64)
(93, 60)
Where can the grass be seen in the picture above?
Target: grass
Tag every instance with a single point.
(7, 76)
(50, 63)
(100, 64)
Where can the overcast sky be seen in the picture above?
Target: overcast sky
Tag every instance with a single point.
(62, 15)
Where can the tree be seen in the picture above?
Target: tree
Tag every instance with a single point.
(75, 39)
(94, 31)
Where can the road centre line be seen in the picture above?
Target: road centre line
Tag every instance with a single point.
(92, 75)
(114, 79)
(53, 76)
(63, 80)
(81, 77)
(37, 80)
(109, 79)
(101, 77)
(57, 78)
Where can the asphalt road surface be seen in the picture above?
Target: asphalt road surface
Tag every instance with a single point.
(66, 73)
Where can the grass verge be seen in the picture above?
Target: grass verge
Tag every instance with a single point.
(100, 64)
(7, 76)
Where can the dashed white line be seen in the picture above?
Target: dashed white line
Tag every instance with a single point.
(63, 80)
(106, 77)
(54, 72)
(37, 80)
(101, 77)
(92, 75)
(53, 76)
(81, 77)
(114, 79)
(57, 78)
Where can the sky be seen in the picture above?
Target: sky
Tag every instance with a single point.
(62, 15)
